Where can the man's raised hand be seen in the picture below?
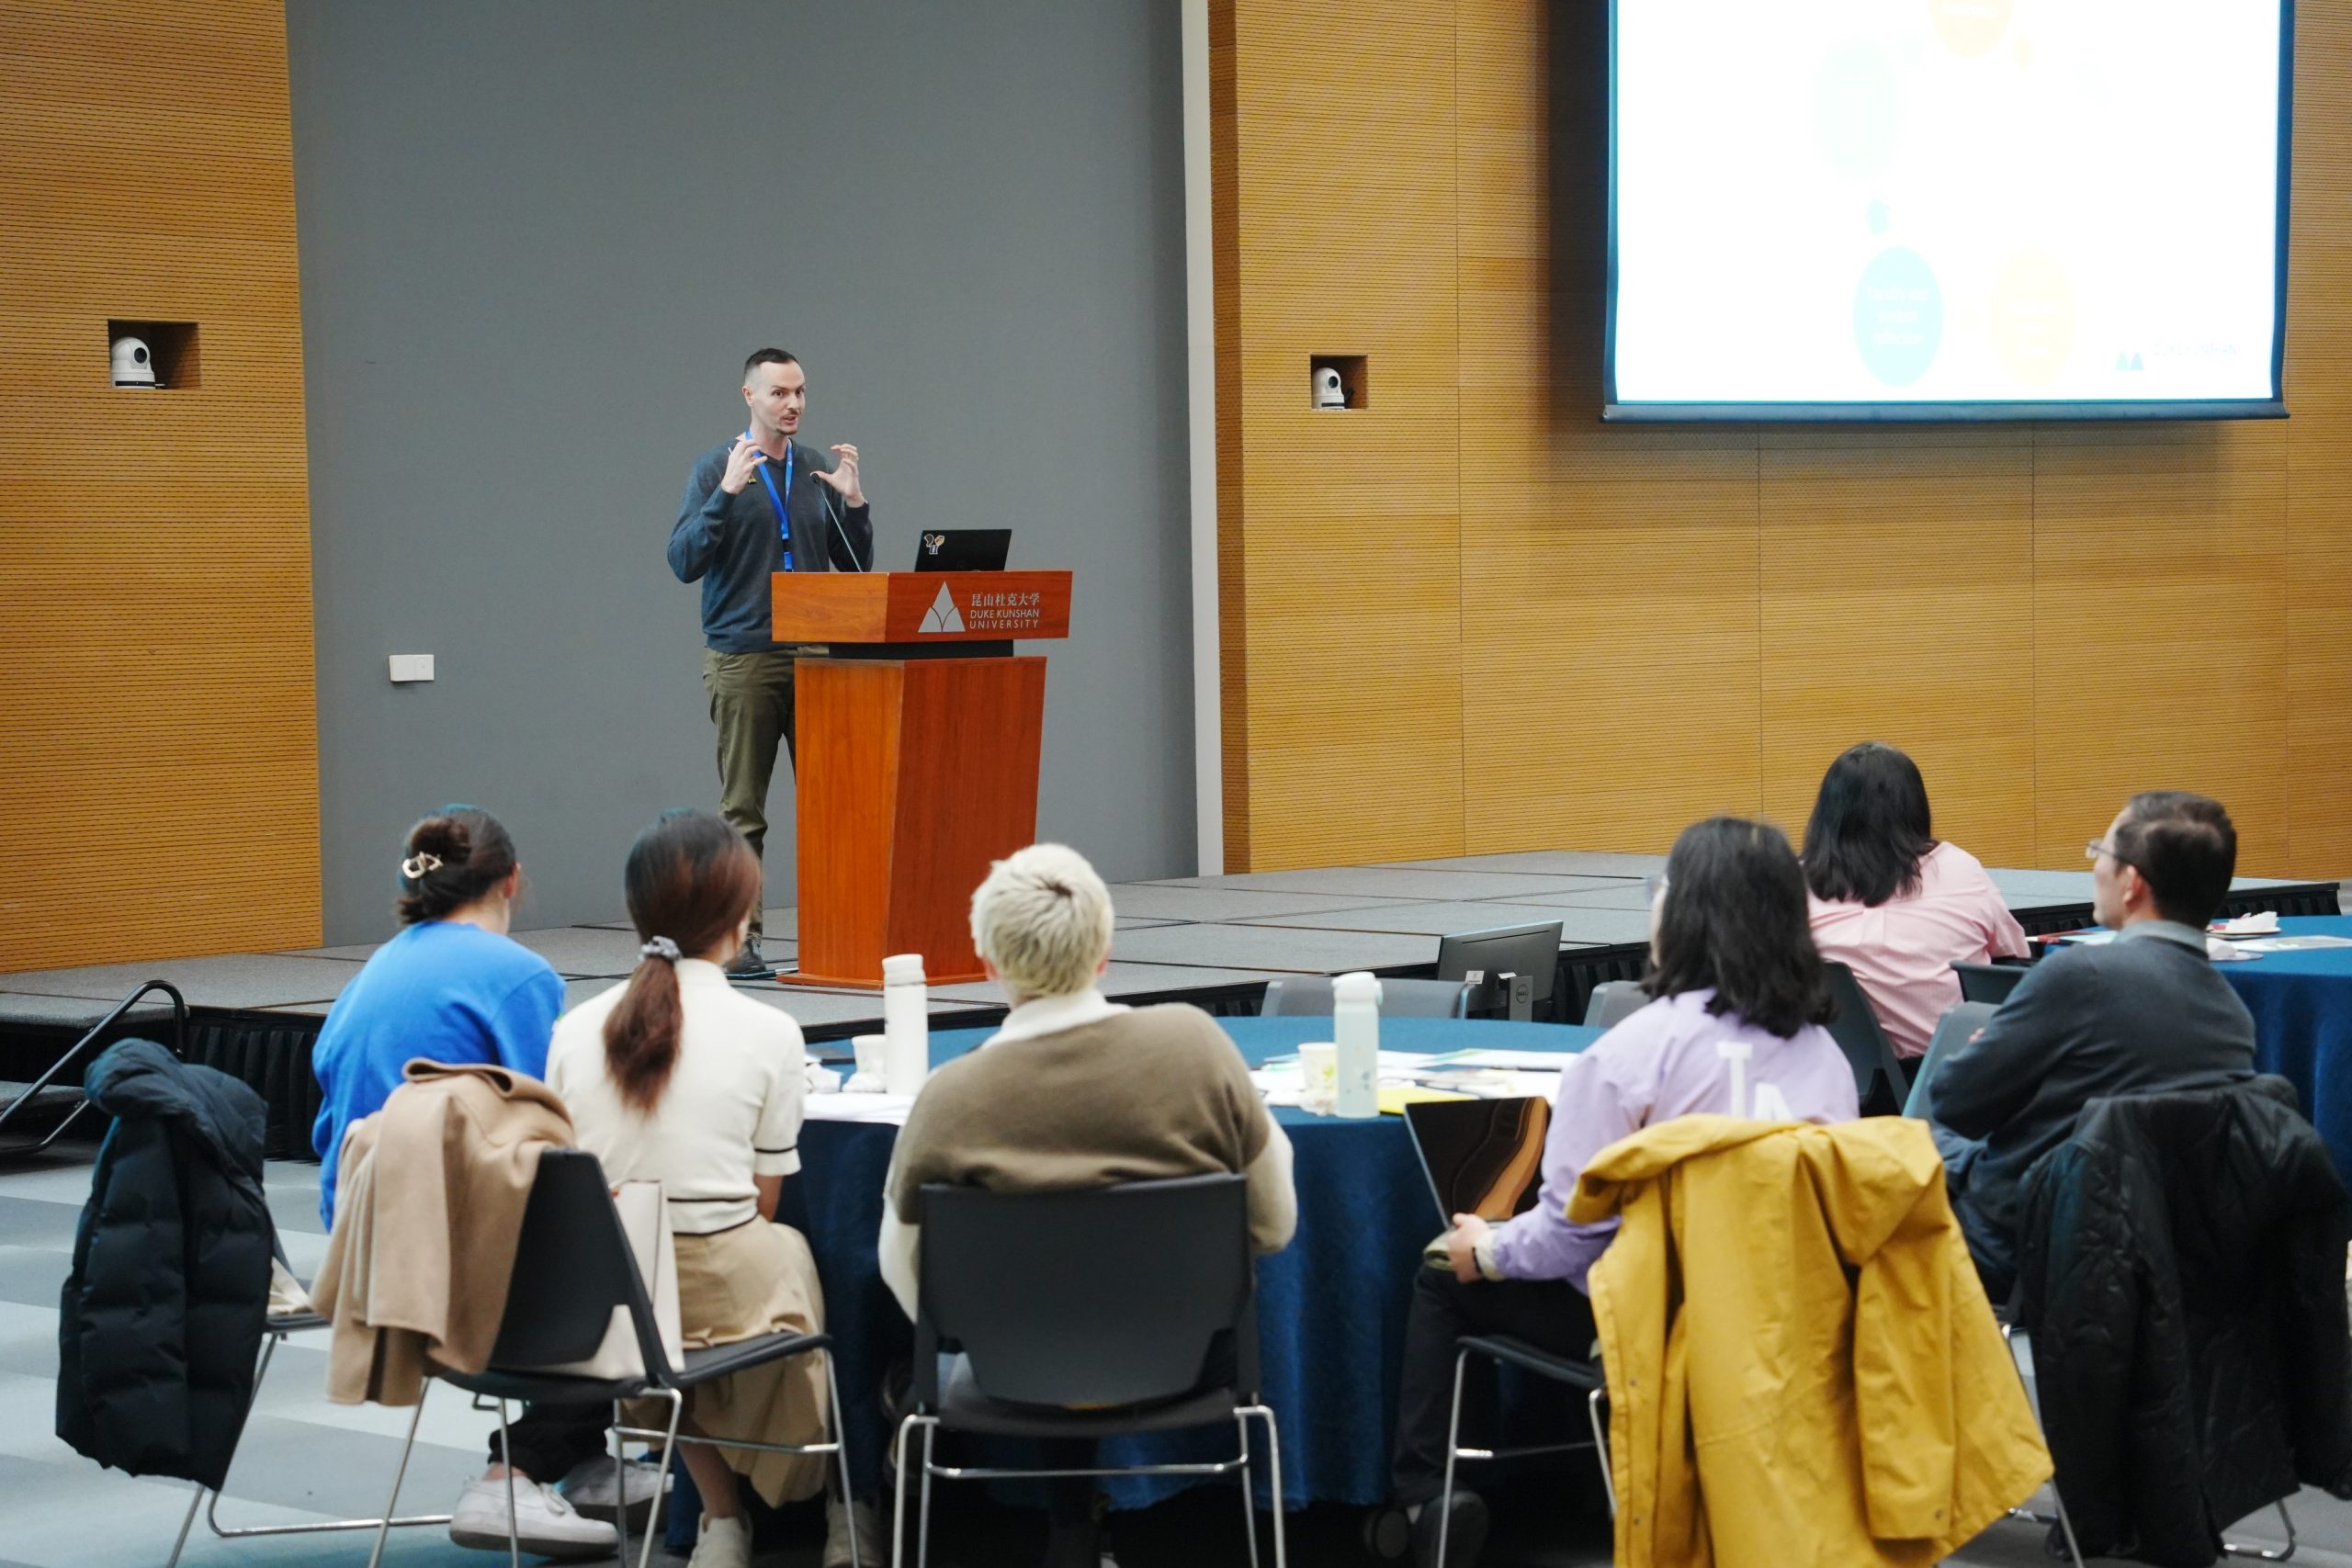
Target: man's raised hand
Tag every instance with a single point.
(741, 462)
(845, 476)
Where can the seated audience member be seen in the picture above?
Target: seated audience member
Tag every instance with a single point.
(1731, 961)
(1077, 1092)
(677, 1077)
(2144, 1012)
(1893, 904)
(453, 988)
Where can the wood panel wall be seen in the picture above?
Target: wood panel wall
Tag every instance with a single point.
(1609, 631)
(158, 737)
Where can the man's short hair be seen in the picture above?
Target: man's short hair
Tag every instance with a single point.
(2187, 848)
(766, 357)
(1043, 918)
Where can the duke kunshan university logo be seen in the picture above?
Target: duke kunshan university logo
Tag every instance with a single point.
(1004, 614)
(944, 616)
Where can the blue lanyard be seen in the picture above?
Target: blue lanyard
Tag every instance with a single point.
(783, 518)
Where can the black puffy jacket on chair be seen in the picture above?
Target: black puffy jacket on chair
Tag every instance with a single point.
(161, 1314)
(2181, 1272)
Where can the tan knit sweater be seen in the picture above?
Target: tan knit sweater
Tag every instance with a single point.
(1137, 1095)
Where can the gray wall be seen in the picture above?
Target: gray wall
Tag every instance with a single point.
(539, 236)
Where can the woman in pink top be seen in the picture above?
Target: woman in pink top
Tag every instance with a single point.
(1890, 903)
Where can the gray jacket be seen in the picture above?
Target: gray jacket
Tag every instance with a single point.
(2143, 1013)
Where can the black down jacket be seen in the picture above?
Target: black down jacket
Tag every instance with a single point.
(162, 1313)
(2181, 1272)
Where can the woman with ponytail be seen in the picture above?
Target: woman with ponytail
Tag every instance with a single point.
(678, 1077)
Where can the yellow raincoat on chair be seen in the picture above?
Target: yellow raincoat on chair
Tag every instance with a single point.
(1802, 1367)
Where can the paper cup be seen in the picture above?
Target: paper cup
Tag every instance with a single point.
(869, 1054)
(1318, 1069)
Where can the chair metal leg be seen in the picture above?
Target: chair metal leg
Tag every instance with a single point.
(669, 1448)
(1453, 1448)
(180, 1544)
(922, 1515)
(391, 1504)
(514, 1524)
(2066, 1526)
(1600, 1447)
(1249, 1502)
(841, 1459)
(620, 1493)
(2264, 1553)
(1274, 1481)
(898, 1494)
(269, 1343)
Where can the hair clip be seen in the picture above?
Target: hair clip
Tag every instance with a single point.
(416, 865)
(659, 947)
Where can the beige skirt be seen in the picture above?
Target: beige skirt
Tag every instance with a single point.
(754, 1280)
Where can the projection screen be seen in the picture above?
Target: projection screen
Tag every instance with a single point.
(1905, 210)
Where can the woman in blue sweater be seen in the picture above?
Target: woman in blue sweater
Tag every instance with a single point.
(453, 986)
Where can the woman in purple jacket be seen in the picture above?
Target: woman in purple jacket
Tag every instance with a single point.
(1732, 961)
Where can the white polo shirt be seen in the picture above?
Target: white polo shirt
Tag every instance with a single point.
(730, 1110)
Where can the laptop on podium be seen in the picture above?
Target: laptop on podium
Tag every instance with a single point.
(963, 549)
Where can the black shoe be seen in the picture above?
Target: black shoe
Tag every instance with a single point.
(749, 965)
(1465, 1539)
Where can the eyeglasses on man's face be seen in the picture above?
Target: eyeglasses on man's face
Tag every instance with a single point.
(2099, 847)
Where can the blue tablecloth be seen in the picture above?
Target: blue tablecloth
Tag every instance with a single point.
(2302, 1004)
(1331, 1307)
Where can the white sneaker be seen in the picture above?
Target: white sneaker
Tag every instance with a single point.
(723, 1543)
(545, 1522)
(589, 1485)
(869, 1535)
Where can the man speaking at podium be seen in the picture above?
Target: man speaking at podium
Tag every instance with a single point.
(759, 504)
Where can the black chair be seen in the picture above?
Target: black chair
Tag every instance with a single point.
(1614, 1001)
(1085, 1314)
(1880, 1082)
(1584, 1376)
(1987, 982)
(573, 1270)
(1310, 996)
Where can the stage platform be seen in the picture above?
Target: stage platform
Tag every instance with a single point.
(1212, 941)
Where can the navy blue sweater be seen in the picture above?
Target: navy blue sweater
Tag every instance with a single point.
(732, 545)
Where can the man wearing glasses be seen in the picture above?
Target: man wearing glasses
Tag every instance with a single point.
(2143, 1013)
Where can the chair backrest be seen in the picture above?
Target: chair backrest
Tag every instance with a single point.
(1868, 1050)
(1987, 982)
(1105, 1296)
(1614, 1001)
(572, 1271)
(1954, 1029)
(1310, 996)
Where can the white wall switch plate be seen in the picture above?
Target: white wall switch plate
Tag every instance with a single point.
(412, 667)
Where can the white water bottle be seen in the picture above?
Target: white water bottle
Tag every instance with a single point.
(906, 1024)
(1355, 1029)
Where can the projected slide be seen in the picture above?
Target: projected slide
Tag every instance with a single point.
(1933, 202)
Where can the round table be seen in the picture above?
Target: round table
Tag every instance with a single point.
(1330, 1306)
(2302, 1004)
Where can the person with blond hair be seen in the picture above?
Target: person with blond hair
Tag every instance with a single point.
(1077, 1092)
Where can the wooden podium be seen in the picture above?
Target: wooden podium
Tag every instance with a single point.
(917, 756)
